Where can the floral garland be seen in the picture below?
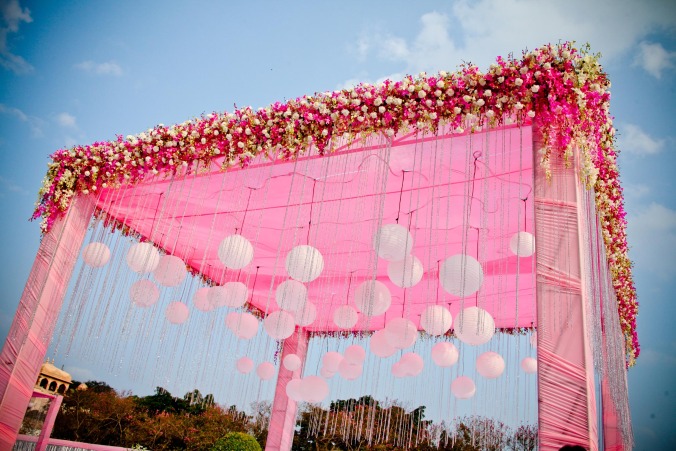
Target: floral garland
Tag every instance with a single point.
(562, 89)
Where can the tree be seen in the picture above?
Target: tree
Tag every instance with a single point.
(236, 441)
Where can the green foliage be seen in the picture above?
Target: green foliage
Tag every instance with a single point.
(236, 441)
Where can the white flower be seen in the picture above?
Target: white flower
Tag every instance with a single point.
(490, 113)
(390, 132)
(518, 82)
(428, 102)
(381, 109)
(345, 112)
(240, 145)
(411, 88)
(531, 113)
(535, 88)
(449, 92)
(438, 93)
(203, 140)
(373, 115)
(440, 84)
(433, 115)
(422, 93)
(466, 98)
(523, 70)
(325, 132)
(480, 102)
(378, 101)
(457, 110)
(248, 130)
(488, 93)
(518, 106)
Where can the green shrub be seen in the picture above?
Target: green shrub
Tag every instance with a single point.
(236, 441)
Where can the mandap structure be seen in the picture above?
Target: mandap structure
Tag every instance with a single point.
(400, 239)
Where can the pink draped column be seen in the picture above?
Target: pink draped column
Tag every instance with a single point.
(48, 425)
(39, 307)
(566, 393)
(283, 415)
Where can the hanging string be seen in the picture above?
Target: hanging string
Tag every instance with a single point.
(401, 192)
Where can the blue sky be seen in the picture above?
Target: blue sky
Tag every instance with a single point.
(80, 71)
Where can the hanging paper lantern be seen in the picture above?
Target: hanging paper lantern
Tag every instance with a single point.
(201, 300)
(265, 371)
(244, 365)
(143, 257)
(331, 360)
(291, 295)
(96, 254)
(372, 298)
(314, 389)
(326, 374)
(279, 325)
(380, 346)
(170, 271)
(292, 362)
(306, 315)
(405, 273)
(304, 263)
(436, 320)
(177, 312)
(490, 364)
(398, 370)
(444, 354)
(522, 244)
(461, 275)
(534, 339)
(345, 317)
(144, 293)
(244, 325)
(235, 252)
(412, 364)
(463, 387)
(349, 371)
(231, 294)
(401, 333)
(474, 326)
(393, 242)
(529, 365)
(294, 389)
(355, 355)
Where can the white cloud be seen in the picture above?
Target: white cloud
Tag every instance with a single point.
(34, 123)
(80, 374)
(635, 190)
(66, 120)
(12, 17)
(652, 239)
(107, 68)
(654, 58)
(635, 141)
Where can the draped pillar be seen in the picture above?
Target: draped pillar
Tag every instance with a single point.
(48, 426)
(39, 307)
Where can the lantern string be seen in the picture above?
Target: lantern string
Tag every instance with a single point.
(401, 193)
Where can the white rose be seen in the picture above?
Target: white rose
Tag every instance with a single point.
(535, 88)
(422, 93)
(518, 82)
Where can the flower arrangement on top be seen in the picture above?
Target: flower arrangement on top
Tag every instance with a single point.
(562, 89)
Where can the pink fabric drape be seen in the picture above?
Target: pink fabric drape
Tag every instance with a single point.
(566, 398)
(26, 439)
(31, 331)
(48, 425)
(283, 415)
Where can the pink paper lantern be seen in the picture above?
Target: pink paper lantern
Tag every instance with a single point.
(96, 255)
(522, 244)
(294, 389)
(143, 258)
(292, 362)
(405, 273)
(326, 374)
(345, 317)
(349, 371)
(306, 315)
(393, 242)
(331, 360)
(398, 370)
(244, 325)
(380, 346)
(279, 325)
(436, 320)
(144, 293)
(291, 295)
(401, 333)
(304, 263)
(474, 326)
(177, 312)
(461, 275)
(463, 387)
(244, 365)
(201, 300)
(170, 271)
(235, 252)
(490, 365)
(444, 354)
(529, 365)
(412, 364)
(355, 354)
(372, 298)
(265, 371)
(231, 294)
(314, 389)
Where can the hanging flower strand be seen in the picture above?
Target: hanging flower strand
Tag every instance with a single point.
(562, 89)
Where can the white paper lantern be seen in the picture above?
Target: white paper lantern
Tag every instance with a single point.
(170, 271)
(265, 371)
(291, 295)
(401, 332)
(306, 315)
(235, 252)
(393, 242)
(231, 294)
(412, 364)
(244, 325)
(294, 389)
(279, 325)
(534, 339)
(529, 365)
(436, 320)
(244, 365)
(490, 365)
(474, 326)
(331, 361)
(325, 373)
(463, 387)
(304, 263)
(380, 346)
(176, 312)
(96, 254)
(143, 258)
(405, 273)
(461, 275)
(444, 354)
(349, 371)
(355, 354)
(345, 317)
(292, 362)
(201, 300)
(372, 298)
(522, 244)
(314, 389)
(144, 293)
